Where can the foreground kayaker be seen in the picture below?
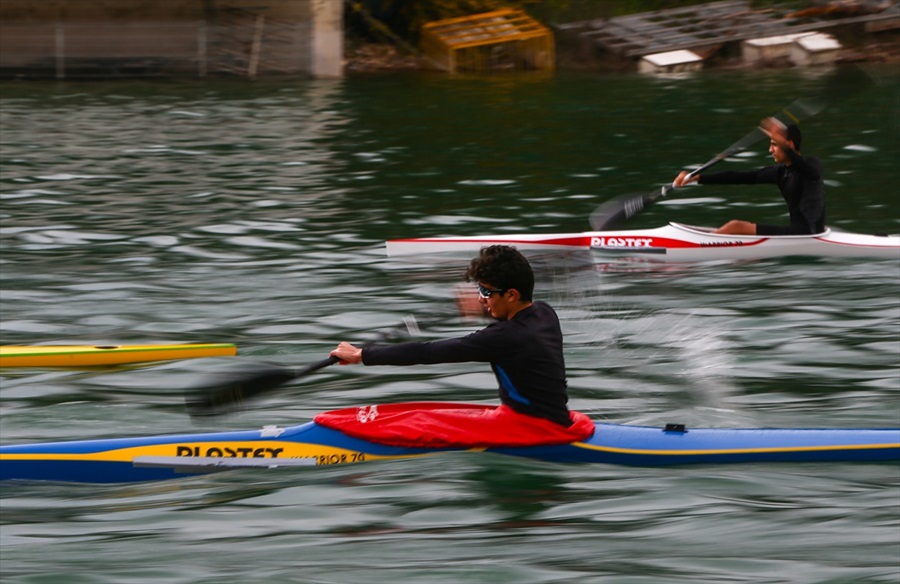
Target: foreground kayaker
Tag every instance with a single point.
(524, 348)
(799, 178)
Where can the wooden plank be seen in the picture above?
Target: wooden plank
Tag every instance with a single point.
(705, 25)
(712, 8)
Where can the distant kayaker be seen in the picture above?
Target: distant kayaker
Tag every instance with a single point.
(799, 178)
(524, 348)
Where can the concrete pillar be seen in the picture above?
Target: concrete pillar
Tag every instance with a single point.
(327, 43)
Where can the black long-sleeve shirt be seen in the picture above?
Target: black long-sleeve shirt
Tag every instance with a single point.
(801, 184)
(525, 353)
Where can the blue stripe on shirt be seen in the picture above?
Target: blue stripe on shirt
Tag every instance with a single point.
(507, 384)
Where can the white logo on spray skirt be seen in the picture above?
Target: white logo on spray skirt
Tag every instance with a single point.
(366, 414)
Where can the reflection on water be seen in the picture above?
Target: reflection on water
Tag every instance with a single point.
(256, 214)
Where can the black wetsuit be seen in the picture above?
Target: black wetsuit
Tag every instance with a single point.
(800, 183)
(525, 353)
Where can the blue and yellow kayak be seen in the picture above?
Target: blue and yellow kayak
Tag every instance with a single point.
(91, 356)
(152, 458)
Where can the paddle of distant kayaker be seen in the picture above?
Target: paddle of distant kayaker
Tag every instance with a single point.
(799, 178)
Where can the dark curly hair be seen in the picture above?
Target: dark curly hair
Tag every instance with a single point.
(505, 267)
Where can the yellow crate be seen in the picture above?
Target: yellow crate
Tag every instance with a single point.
(491, 41)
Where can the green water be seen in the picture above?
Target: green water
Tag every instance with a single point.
(256, 213)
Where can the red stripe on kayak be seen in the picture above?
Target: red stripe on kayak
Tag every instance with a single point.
(577, 241)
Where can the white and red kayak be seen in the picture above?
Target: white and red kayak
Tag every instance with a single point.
(671, 243)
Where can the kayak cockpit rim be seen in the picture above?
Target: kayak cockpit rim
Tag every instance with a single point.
(711, 231)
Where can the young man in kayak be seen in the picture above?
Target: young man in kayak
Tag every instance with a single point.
(524, 348)
(799, 178)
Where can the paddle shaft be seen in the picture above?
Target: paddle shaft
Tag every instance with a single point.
(312, 367)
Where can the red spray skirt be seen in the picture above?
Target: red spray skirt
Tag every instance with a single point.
(452, 425)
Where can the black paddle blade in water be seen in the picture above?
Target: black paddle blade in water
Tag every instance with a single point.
(622, 208)
(227, 391)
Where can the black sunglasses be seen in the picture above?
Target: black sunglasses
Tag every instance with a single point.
(485, 292)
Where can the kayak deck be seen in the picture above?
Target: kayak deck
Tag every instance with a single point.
(153, 458)
(88, 356)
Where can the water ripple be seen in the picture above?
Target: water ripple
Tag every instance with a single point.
(256, 214)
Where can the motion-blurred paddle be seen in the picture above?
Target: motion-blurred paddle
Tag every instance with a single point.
(227, 391)
(842, 84)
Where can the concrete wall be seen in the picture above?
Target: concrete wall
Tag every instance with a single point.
(126, 38)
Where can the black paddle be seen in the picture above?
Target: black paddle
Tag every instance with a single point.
(842, 84)
(227, 391)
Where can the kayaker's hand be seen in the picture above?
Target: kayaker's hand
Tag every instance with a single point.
(347, 353)
(775, 130)
(468, 302)
(683, 179)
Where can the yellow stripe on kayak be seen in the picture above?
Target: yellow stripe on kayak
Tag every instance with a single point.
(87, 355)
(711, 452)
(270, 450)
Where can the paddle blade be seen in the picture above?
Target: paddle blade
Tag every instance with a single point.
(843, 83)
(619, 209)
(227, 391)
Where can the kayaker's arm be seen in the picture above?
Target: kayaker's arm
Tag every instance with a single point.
(481, 346)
